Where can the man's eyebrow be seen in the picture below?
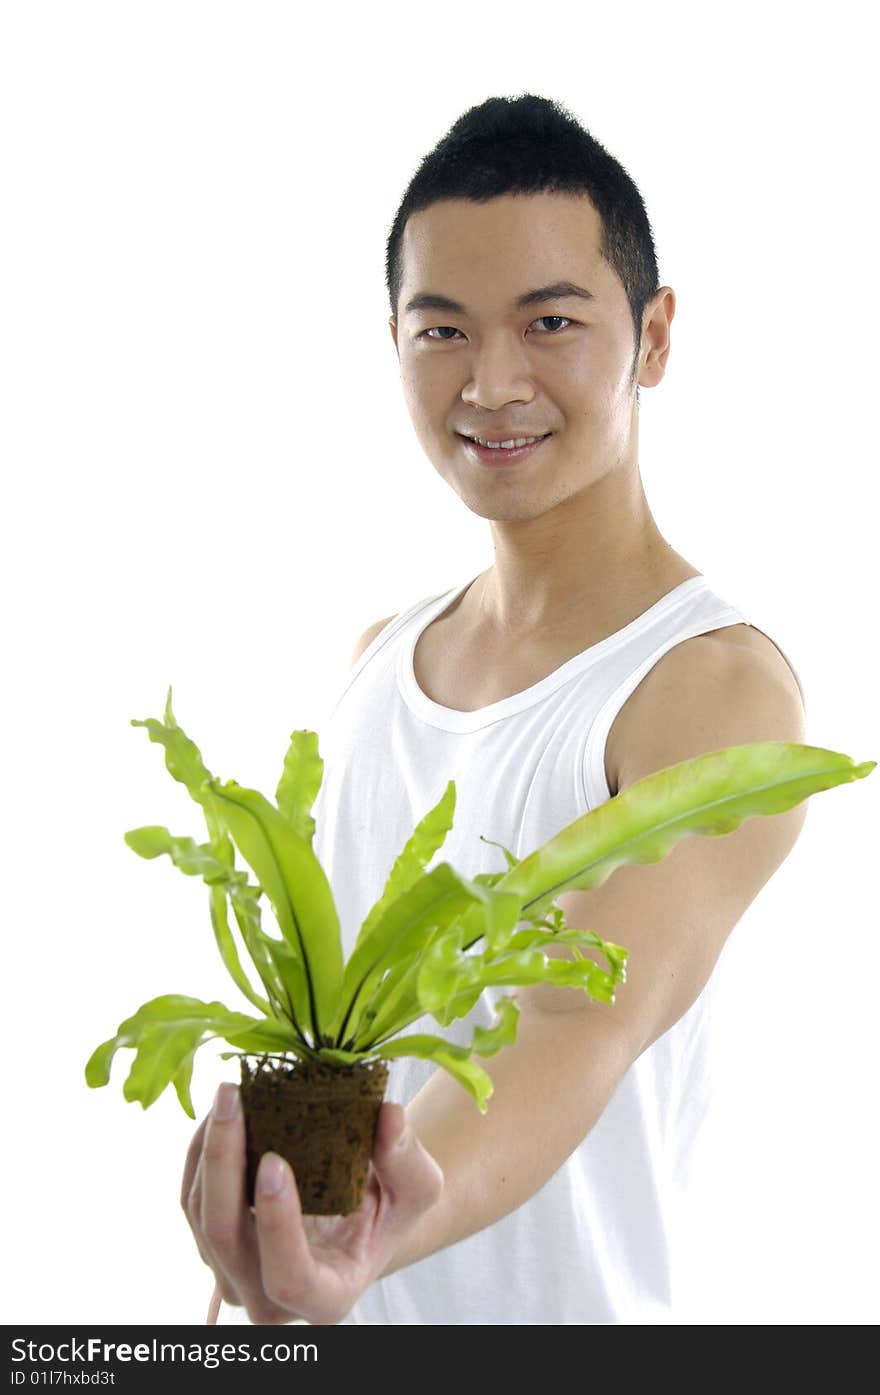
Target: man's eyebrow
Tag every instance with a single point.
(558, 290)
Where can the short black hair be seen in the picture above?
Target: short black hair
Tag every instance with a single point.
(530, 145)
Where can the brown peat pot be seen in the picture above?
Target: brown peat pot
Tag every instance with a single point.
(321, 1118)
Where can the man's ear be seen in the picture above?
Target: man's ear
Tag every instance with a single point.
(655, 336)
(393, 327)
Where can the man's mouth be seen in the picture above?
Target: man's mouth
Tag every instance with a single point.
(504, 452)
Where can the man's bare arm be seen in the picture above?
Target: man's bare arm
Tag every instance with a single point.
(673, 916)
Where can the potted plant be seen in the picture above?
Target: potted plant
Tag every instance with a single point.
(313, 1060)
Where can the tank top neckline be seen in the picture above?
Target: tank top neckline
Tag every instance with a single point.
(453, 720)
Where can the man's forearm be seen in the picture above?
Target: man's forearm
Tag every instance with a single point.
(549, 1090)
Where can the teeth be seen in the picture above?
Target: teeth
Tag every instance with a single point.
(507, 445)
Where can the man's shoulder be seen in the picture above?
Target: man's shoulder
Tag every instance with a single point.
(369, 635)
(729, 648)
(765, 652)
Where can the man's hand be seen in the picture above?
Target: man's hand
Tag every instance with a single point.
(272, 1260)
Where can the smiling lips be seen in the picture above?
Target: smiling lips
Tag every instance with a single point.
(529, 437)
(504, 455)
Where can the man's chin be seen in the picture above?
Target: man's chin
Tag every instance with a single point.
(509, 510)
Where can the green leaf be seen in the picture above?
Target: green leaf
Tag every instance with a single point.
(228, 951)
(183, 760)
(402, 929)
(394, 1002)
(429, 835)
(194, 859)
(182, 1081)
(165, 1033)
(300, 782)
(290, 972)
(711, 794)
(487, 1041)
(502, 915)
(448, 979)
(265, 1036)
(290, 874)
(455, 1059)
(616, 955)
(245, 901)
(390, 1007)
(163, 1048)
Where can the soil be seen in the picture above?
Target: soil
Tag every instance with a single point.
(321, 1118)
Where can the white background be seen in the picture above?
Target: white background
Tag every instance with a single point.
(211, 481)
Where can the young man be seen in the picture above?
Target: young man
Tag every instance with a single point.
(587, 655)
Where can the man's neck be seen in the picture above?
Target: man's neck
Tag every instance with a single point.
(590, 555)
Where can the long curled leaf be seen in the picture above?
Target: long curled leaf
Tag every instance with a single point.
(711, 794)
(183, 760)
(165, 1033)
(289, 872)
(486, 1041)
(300, 782)
(429, 835)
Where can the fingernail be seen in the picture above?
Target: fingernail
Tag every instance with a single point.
(226, 1103)
(270, 1174)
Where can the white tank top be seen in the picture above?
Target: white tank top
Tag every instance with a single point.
(595, 1243)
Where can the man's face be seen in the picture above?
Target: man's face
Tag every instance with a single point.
(562, 365)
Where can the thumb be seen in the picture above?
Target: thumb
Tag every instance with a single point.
(409, 1174)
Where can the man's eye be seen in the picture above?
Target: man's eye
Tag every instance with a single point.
(554, 317)
(429, 333)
